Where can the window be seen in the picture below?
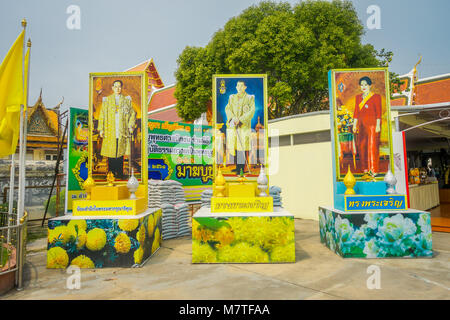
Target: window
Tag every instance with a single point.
(48, 157)
(282, 141)
(312, 137)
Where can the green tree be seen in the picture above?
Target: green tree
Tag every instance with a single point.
(294, 45)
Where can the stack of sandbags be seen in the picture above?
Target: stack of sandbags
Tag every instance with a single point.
(177, 191)
(183, 218)
(167, 195)
(154, 194)
(169, 221)
(275, 192)
(206, 198)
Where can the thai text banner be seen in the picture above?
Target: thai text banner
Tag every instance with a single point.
(379, 202)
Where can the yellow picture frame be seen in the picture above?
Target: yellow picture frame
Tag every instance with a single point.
(143, 93)
(333, 86)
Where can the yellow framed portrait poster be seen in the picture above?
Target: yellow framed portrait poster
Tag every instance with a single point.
(117, 122)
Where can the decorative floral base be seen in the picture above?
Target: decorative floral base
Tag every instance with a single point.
(98, 242)
(376, 235)
(243, 239)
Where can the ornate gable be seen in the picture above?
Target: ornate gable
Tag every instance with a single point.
(42, 121)
(38, 124)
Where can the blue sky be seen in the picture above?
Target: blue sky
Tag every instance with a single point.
(116, 35)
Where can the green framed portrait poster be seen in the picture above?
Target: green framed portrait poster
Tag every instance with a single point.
(77, 155)
(182, 152)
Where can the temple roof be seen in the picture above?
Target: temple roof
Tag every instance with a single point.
(162, 98)
(50, 117)
(162, 105)
(424, 91)
(154, 79)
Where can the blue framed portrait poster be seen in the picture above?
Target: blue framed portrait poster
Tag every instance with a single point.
(240, 123)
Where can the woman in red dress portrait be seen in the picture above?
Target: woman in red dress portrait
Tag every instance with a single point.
(367, 126)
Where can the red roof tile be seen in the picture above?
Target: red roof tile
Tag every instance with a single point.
(166, 115)
(162, 98)
(434, 91)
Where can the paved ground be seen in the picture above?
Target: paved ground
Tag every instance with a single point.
(317, 274)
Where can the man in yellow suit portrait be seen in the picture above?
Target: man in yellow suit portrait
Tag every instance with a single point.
(240, 111)
(116, 125)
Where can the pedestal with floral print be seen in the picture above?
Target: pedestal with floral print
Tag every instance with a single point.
(103, 241)
(376, 235)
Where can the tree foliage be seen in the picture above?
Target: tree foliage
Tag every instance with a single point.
(294, 45)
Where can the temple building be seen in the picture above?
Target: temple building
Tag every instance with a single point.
(42, 132)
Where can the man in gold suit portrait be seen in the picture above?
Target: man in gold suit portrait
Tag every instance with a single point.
(116, 124)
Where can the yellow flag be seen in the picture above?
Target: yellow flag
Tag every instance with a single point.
(11, 97)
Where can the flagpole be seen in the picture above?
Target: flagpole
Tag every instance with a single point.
(12, 174)
(20, 200)
(25, 126)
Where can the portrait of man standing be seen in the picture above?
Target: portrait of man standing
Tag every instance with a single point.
(239, 111)
(116, 124)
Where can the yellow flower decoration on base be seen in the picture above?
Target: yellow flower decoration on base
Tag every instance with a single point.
(203, 253)
(62, 233)
(81, 239)
(156, 241)
(81, 224)
(138, 254)
(128, 224)
(96, 239)
(140, 235)
(122, 243)
(225, 236)
(83, 262)
(150, 225)
(283, 253)
(57, 258)
(242, 252)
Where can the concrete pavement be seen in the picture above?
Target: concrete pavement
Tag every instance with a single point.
(317, 274)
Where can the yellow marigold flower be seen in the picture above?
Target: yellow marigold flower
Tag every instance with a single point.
(81, 224)
(283, 253)
(225, 236)
(150, 225)
(122, 243)
(203, 253)
(138, 254)
(128, 224)
(57, 258)
(96, 239)
(83, 262)
(263, 231)
(156, 240)
(140, 235)
(81, 239)
(62, 233)
(242, 252)
(157, 216)
(195, 230)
